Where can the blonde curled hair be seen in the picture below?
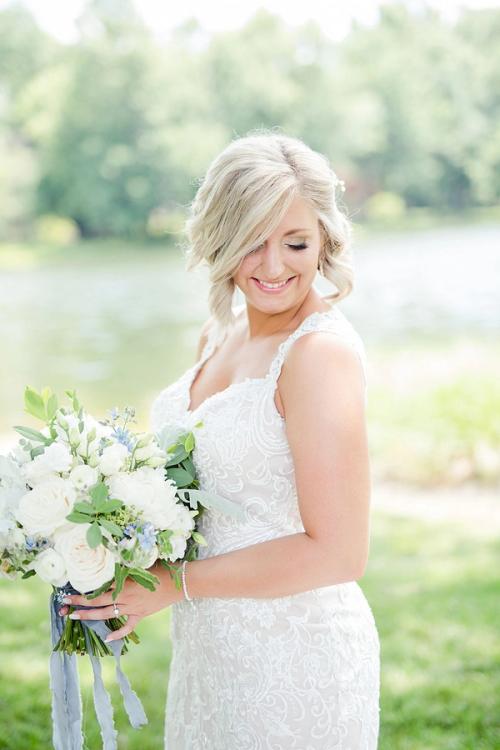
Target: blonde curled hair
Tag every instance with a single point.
(243, 197)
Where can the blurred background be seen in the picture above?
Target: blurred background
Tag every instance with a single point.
(110, 112)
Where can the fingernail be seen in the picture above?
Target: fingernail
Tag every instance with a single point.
(107, 639)
(74, 616)
(66, 600)
(60, 611)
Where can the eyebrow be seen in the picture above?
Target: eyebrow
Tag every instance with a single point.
(293, 231)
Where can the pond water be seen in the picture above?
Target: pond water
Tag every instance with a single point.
(119, 326)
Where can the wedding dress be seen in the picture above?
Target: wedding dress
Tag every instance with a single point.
(297, 672)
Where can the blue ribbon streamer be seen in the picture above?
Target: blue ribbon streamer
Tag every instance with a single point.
(65, 686)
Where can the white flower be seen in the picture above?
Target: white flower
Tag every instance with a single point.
(12, 487)
(185, 520)
(178, 542)
(56, 458)
(50, 566)
(87, 568)
(45, 507)
(84, 477)
(11, 535)
(20, 454)
(149, 491)
(145, 558)
(113, 459)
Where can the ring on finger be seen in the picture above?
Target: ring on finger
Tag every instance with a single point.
(116, 610)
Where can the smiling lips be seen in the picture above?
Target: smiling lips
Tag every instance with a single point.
(272, 287)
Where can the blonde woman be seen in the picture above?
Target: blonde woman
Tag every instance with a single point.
(274, 645)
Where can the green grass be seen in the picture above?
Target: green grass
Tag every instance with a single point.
(433, 590)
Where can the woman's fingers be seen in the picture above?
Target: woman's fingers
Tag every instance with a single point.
(102, 613)
(125, 630)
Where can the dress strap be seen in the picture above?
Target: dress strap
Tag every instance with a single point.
(330, 320)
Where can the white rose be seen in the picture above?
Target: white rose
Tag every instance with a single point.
(50, 566)
(179, 544)
(55, 459)
(113, 459)
(87, 568)
(149, 491)
(45, 507)
(84, 477)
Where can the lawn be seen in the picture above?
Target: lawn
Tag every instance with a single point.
(433, 589)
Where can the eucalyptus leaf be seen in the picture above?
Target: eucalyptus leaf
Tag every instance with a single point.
(219, 503)
(180, 476)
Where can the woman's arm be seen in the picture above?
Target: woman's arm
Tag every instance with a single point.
(322, 391)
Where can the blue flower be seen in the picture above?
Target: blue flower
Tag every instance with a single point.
(147, 537)
(124, 437)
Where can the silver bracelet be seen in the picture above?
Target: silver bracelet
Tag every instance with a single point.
(186, 595)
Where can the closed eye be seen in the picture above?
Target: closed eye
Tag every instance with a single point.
(302, 246)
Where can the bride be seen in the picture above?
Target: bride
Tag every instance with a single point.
(275, 646)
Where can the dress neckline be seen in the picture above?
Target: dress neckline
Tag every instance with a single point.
(210, 350)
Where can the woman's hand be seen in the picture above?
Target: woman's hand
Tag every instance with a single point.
(134, 601)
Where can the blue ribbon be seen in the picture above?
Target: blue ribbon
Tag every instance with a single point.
(65, 686)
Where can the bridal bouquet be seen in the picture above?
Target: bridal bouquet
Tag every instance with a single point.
(85, 504)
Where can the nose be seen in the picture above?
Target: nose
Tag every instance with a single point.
(271, 266)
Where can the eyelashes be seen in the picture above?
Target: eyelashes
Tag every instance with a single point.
(302, 246)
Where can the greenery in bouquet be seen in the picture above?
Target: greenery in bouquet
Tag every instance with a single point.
(85, 504)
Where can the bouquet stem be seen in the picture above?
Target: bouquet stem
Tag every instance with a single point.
(72, 639)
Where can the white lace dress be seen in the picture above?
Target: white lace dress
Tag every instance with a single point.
(299, 672)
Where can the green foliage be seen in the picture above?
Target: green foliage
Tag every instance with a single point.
(121, 156)
(433, 590)
(385, 207)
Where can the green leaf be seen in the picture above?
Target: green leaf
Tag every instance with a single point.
(189, 442)
(113, 528)
(94, 536)
(76, 517)
(181, 477)
(31, 434)
(51, 406)
(101, 590)
(84, 507)
(143, 582)
(110, 505)
(99, 494)
(199, 538)
(121, 574)
(28, 574)
(189, 466)
(175, 458)
(34, 403)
